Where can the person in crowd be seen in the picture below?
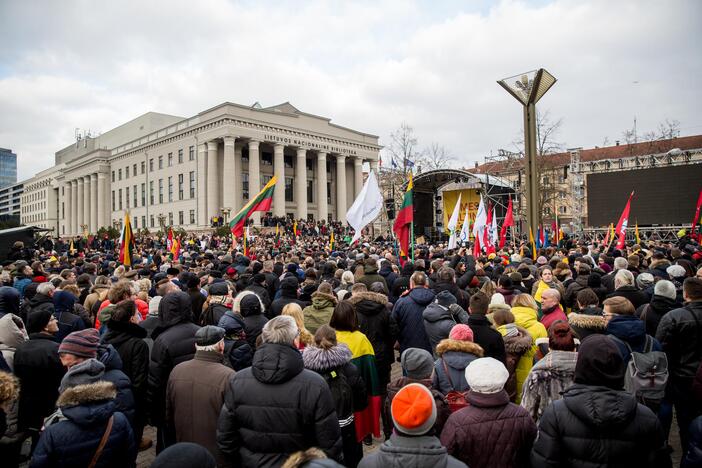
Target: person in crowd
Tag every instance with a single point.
(484, 335)
(371, 275)
(322, 308)
(596, 423)
(10, 436)
(628, 331)
(624, 287)
(506, 287)
(41, 301)
(408, 313)
(151, 322)
(120, 291)
(490, 431)
(185, 455)
(620, 263)
(251, 309)
(440, 316)
(9, 301)
(446, 281)
(218, 302)
(295, 311)
(551, 308)
(332, 360)
(68, 321)
(277, 388)
(553, 374)
(98, 294)
(519, 349)
(663, 301)
(196, 297)
(402, 283)
(455, 353)
(93, 432)
(195, 393)
(580, 283)
(12, 334)
(546, 281)
(238, 353)
(174, 342)
(587, 318)
(260, 288)
(289, 287)
(412, 443)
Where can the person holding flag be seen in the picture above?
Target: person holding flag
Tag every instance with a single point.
(405, 221)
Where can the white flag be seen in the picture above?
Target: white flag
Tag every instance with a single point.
(465, 230)
(453, 222)
(493, 228)
(480, 219)
(366, 207)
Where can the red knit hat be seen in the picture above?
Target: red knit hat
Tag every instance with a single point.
(461, 332)
(413, 410)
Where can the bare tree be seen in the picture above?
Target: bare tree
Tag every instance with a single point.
(436, 156)
(403, 145)
(669, 129)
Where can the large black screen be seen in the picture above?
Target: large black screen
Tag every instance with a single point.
(664, 195)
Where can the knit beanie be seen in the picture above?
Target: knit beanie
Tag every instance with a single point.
(38, 320)
(665, 288)
(599, 363)
(82, 343)
(87, 372)
(413, 410)
(445, 299)
(185, 455)
(486, 375)
(461, 332)
(644, 280)
(676, 271)
(561, 337)
(417, 363)
(250, 305)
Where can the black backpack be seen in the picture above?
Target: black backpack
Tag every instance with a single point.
(343, 395)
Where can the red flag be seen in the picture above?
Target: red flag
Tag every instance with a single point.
(542, 240)
(606, 239)
(509, 221)
(486, 233)
(476, 247)
(623, 222)
(697, 214)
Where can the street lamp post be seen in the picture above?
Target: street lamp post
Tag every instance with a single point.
(528, 88)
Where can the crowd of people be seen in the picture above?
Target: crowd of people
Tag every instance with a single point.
(579, 355)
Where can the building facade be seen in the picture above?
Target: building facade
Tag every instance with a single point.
(10, 202)
(173, 171)
(8, 167)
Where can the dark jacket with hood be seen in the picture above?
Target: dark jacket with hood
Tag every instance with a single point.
(277, 390)
(254, 320)
(679, 333)
(124, 401)
(487, 337)
(407, 313)
(629, 329)
(410, 452)
(237, 351)
(370, 276)
(454, 356)
(389, 275)
(37, 303)
(9, 301)
(439, 320)
(653, 312)
(288, 294)
(174, 342)
(597, 426)
(74, 441)
(461, 296)
(402, 283)
(376, 322)
(68, 322)
(573, 289)
(637, 297)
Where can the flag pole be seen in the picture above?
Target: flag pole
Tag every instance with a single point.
(412, 237)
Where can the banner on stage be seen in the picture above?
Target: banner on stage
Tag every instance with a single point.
(469, 200)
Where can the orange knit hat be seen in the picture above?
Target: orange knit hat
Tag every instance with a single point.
(413, 410)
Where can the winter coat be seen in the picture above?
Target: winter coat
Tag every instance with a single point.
(399, 287)
(98, 294)
(253, 326)
(198, 300)
(407, 312)
(487, 337)
(73, 442)
(587, 322)
(320, 312)
(288, 294)
(693, 458)
(540, 286)
(370, 276)
(277, 390)
(629, 329)
(679, 333)
(454, 356)
(509, 294)
(9, 301)
(12, 334)
(124, 401)
(547, 380)
(652, 312)
(520, 351)
(439, 320)
(214, 312)
(376, 322)
(462, 297)
(174, 342)
(389, 275)
(637, 297)
(490, 432)
(38, 302)
(194, 398)
(68, 321)
(442, 409)
(39, 369)
(597, 426)
(262, 293)
(411, 452)
(573, 289)
(525, 317)
(557, 314)
(238, 354)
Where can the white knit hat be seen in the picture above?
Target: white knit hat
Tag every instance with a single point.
(497, 298)
(486, 375)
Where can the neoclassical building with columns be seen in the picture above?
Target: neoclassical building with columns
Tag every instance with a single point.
(184, 171)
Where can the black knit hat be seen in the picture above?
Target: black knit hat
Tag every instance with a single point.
(38, 320)
(600, 363)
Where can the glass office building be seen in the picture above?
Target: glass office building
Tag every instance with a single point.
(8, 167)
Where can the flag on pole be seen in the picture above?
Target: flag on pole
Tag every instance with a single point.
(366, 207)
(609, 234)
(405, 217)
(636, 233)
(246, 241)
(295, 229)
(480, 219)
(261, 202)
(175, 248)
(126, 242)
(487, 239)
(331, 241)
(453, 222)
(71, 248)
(538, 237)
(697, 215)
(623, 222)
(533, 244)
(509, 221)
(277, 235)
(493, 228)
(556, 232)
(169, 240)
(465, 229)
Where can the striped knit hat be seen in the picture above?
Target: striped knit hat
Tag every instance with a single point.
(83, 343)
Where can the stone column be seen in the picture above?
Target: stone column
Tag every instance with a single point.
(279, 172)
(357, 176)
(94, 220)
(374, 166)
(301, 184)
(341, 188)
(74, 208)
(254, 176)
(229, 178)
(102, 200)
(322, 207)
(80, 208)
(201, 192)
(86, 202)
(212, 181)
(67, 202)
(236, 182)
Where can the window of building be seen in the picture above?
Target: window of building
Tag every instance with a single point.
(134, 169)
(192, 184)
(126, 172)
(287, 161)
(180, 159)
(143, 196)
(181, 220)
(63, 210)
(151, 166)
(119, 174)
(143, 221)
(136, 222)
(192, 216)
(170, 159)
(180, 187)
(245, 154)
(151, 192)
(126, 196)
(562, 209)
(151, 220)
(160, 190)
(266, 159)
(170, 189)
(120, 199)
(134, 191)
(544, 180)
(310, 164)
(160, 162)
(143, 167)
(113, 176)
(289, 189)
(245, 185)
(191, 153)
(329, 192)
(310, 191)
(563, 195)
(170, 218)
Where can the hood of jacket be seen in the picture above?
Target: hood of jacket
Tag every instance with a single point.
(435, 312)
(421, 296)
(323, 300)
(63, 301)
(627, 328)
(662, 304)
(517, 344)
(121, 332)
(370, 269)
(174, 308)
(9, 300)
(231, 323)
(411, 452)
(590, 321)
(369, 303)
(320, 359)
(600, 407)
(467, 347)
(40, 299)
(524, 317)
(288, 287)
(88, 404)
(276, 363)
(11, 335)
(108, 355)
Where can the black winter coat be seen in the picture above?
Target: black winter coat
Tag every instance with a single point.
(277, 306)
(487, 337)
(38, 302)
(407, 312)
(597, 426)
(652, 312)
(679, 333)
(198, 299)
(253, 326)
(124, 401)
(637, 297)
(213, 314)
(39, 369)
(276, 392)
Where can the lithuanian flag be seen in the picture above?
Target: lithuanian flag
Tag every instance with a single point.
(126, 242)
(261, 202)
(404, 220)
(331, 241)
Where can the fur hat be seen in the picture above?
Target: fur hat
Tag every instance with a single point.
(461, 332)
(413, 410)
(486, 375)
(417, 363)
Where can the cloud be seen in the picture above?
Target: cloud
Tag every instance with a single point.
(367, 65)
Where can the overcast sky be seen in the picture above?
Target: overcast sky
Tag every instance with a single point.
(366, 65)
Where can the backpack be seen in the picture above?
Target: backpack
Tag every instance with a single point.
(456, 400)
(646, 374)
(343, 395)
